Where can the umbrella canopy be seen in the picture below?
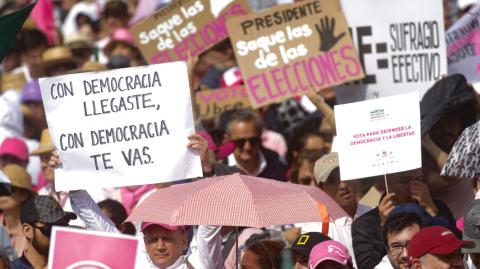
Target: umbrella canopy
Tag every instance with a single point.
(464, 159)
(237, 200)
(444, 96)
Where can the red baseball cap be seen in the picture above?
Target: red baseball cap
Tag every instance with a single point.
(435, 240)
(15, 147)
(146, 224)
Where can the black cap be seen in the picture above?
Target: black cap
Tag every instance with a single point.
(44, 209)
(305, 243)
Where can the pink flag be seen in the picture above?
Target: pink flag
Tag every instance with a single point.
(42, 14)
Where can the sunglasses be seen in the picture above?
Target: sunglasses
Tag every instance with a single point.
(46, 230)
(240, 143)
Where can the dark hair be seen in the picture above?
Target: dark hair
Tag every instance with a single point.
(243, 115)
(398, 222)
(118, 215)
(311, 155)
(298, 141)
(31, 38)
(269, 253)
(116, 9)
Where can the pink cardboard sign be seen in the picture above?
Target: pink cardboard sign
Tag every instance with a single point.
(79, 249)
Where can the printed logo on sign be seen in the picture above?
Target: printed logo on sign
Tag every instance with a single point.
(88, 265)
(378, 114)
(384, 158)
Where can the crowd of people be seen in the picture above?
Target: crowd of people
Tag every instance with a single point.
(424, 220)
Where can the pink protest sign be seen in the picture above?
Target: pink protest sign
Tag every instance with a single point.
(185, 27)
(287, 50)
(463, 41)
(212, 103)
(79, 249)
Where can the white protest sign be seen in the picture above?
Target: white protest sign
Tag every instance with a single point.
(121, 127)
(400, 43)
(463, 41)
(91, 250)
(379, 136)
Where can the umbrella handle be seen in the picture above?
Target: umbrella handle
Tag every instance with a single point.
(324, 217)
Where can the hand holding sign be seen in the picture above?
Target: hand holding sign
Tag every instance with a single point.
(197, 142)
(421, 194)
(134, 132)
(326, 32)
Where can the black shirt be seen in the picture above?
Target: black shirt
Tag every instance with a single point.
(21, 263)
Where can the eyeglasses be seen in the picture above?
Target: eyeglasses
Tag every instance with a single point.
(47, 228)
(240, 143)
(396, 249)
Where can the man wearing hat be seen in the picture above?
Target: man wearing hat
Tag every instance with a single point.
(471, 232)
(11, 205)
(303, 245)
(436, 247)
(38, 216)
(327, 177)
(44, 151)
(56, 61)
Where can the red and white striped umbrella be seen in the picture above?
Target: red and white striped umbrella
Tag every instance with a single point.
(237, 200)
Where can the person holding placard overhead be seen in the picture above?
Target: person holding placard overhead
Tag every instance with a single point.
(327, 178)
(404, 187)
(165, 245)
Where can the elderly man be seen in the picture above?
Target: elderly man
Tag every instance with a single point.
(164, 245)
(436, 247)
(245, 128)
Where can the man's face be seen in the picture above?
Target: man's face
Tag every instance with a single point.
(38, 234)
(398, 244)
(247, 140)
(448, 261)
(33, 56)
(40, 242)
(45, 167)
(305, 173)
(163, 246)
(399, 184)
(343, 192)
(10, 159)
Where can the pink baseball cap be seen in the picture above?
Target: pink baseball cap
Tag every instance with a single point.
(15, 147)
(147, 224)
(329, 251)
(121, 35)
